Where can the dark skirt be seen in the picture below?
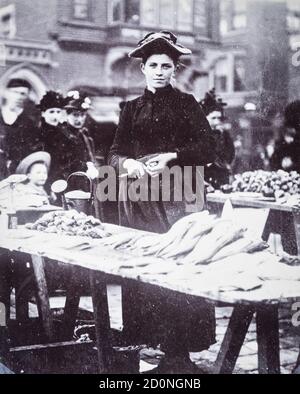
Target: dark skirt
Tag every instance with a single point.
(157, 211)
(153, 315)
(178, 322)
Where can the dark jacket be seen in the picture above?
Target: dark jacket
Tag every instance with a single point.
(53, 141)
(217, 174)
(73, 151)
(103, 134)
(17, 141)
(284, 150)
(167, 121)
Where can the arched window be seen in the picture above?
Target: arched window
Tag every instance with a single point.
(27, 72)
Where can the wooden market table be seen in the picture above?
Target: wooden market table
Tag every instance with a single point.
(104, 265)
(283, 219)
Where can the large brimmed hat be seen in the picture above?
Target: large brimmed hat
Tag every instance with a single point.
(162, 39)
(52, 99)
(36, 157)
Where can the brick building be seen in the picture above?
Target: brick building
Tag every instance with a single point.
(259, 38)
(253, 69)
(67, 44)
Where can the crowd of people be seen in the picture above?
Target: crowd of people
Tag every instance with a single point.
(161, 128)
(62, 127)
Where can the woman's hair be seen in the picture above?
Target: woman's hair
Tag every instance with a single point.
(161, 50)
(292, 114)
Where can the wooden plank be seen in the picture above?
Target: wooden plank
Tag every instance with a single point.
(71, 305)
(102, 322)
(298, 361)
(4, 343)
(296, 218)
(4, 350)
(220, 198)
(55, 358)
(268, 339)
(234, 338)
(107, 261)
(53, 345)
(22, 279)
(42, 296)
(4, 370)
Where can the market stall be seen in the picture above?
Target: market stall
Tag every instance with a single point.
(282, 218)
(275, 192)
(231, 270)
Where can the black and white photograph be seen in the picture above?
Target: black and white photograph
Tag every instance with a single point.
(149, 189)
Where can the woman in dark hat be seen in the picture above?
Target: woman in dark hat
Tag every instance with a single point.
(217, 173)
(52, 108)
(78, 146)
(160, 129)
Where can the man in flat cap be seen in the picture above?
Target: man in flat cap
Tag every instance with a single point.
(18, 130)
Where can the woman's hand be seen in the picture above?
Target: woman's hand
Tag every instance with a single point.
(134, 168)
(157, 164)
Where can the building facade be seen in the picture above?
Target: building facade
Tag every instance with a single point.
(259, 40)
(293, 26)
(68, 44)
(254, 71)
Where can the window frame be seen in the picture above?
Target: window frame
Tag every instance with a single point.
(125, 16)
(158, 12)
(193, 28)
(196, 29)
(236, 58)
(230, 15)
(111, 13)
(89, 17)
(11, 11)
(192, 18)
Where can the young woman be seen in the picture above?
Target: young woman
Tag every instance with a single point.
(52, 107)
(162, 128)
